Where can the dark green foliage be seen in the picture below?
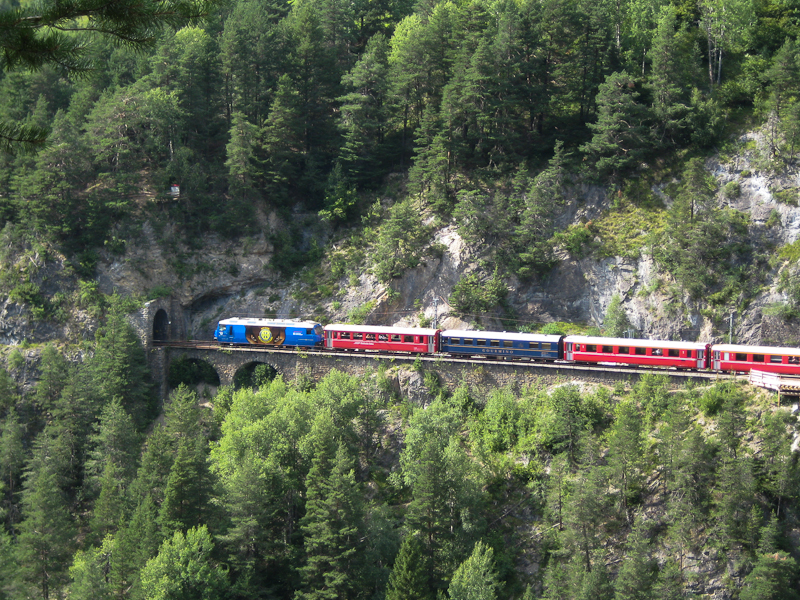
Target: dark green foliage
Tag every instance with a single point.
(409, 577)
(622, 136)
(47, 530)
(333, 526)
(616, 323)
(401, 239)
(475, 296)
(773, 576)
(638, 571)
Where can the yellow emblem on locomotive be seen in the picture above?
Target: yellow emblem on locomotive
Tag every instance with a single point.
(265, 335)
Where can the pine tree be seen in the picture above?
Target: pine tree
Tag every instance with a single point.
(119, 367)
(187, 492)
(46, 531)
(365, 112)
(638, 571)
(116, 443)
(621, 134)
(774, 577)
(626, 451)
(332, 526)
(476, 578)
(53, 376)
(12, 459)
(156, 463)
(136, 542)
(409, 579)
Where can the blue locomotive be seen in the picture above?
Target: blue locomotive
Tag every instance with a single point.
(269, 332)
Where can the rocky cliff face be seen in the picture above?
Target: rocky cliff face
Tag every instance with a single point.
(235, 278)
(225, 278)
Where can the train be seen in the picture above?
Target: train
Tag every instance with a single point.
(502, 345)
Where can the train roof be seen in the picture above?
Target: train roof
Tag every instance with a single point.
(607, 341)
(502, 335)
(256, 322)
(380, 329)
(756, 349)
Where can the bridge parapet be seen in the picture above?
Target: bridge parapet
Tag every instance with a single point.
(453, 372)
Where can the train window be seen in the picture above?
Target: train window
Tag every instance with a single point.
(533, 346)
(396, 338)
(608, 349)
(673, 352)
(591, 348)
(779, 359)
(640, 351)
(508, 344)
(794, 360)
(467, 342)
(740, 357)
(371, 337)
(495, 343)
(345, 335)
(408, 339)
(700, 354)
(545, 345)
(480, 343)
(758, 358)
(383, 337)
(624, 350)
(358, 336)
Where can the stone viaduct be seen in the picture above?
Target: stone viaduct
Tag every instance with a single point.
(161, 321)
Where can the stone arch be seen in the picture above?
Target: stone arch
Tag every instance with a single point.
(254, 374)
(192, 372)
(161, 326)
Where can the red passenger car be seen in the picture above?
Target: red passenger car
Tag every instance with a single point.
(387, 339)
(732, 357)
(652, 353)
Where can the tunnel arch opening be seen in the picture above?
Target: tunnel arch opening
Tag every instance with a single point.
(161, 326)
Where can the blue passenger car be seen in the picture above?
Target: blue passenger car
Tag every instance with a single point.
(269, 332)
(503, 344)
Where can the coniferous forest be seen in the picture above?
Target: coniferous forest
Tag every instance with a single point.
(474, 113)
